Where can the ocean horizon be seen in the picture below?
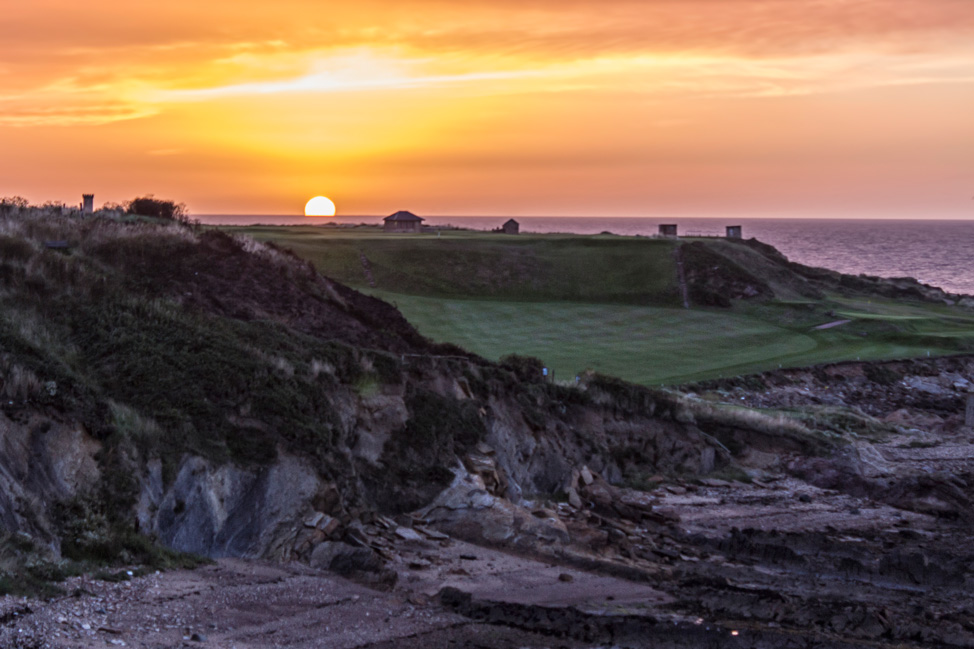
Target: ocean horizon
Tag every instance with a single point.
(935, 252)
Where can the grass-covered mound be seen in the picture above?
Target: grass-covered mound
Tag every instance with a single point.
(477, 265)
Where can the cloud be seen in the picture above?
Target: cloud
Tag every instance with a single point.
(92, 98)
(89, 115)
(348, 72)
(542, 28)
(102, 61)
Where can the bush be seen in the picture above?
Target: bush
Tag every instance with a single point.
(526, 368)
(158, 208)
(12, 204)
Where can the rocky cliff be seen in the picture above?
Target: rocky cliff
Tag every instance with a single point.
(213, 393)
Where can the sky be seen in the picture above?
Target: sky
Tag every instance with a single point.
(761, 108)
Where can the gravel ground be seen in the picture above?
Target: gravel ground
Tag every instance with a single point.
(239, 604)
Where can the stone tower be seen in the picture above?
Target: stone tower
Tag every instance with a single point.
(88, 206)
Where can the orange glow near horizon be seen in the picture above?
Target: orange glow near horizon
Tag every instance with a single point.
(622, 107)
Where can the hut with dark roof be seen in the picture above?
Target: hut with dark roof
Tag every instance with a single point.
(511, 227)
(403, 221)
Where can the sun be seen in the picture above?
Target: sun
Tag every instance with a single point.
(319, 206)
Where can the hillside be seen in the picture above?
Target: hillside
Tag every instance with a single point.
(209, 391)
(614, 304)
(171, 390)
(479, 265)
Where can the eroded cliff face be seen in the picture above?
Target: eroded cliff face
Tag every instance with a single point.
(261, 511)
(42, 462)
(384, 464)
(397, 447)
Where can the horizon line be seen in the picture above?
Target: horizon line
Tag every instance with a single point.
(582, 216)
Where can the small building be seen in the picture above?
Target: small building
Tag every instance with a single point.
(733, 232)
(87, 203)
(403, 221)
(511, 227)
(667, 229)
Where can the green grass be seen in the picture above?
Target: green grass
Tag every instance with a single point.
(646, 345)
(652, 345)
(463, 264)
(610, 304)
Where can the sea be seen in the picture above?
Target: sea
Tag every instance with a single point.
(935, 252)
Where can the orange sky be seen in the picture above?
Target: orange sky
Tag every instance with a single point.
(610, 107)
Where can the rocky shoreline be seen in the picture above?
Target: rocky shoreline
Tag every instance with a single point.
(867, 545)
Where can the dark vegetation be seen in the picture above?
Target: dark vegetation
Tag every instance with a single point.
(161, 340)
(439, 429)
(143, 206)
(715, 280)
(157, 208)
(9, 204)
(470, 265)
(28, 570)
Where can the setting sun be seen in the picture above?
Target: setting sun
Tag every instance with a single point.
(319, 206)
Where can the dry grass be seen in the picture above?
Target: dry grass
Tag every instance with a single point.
(788, 427)
(319, 367)
(134, 425)
(17, 382)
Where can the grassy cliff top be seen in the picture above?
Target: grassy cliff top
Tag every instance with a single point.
(614, 304)
(468, 264)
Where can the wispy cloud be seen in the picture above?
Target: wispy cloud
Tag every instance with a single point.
(89, 115)
(105, 97)
(135, 63)
(350, 79)
(539, 27)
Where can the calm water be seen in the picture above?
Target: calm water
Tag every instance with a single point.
(940, 253)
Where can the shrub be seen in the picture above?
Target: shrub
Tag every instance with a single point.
(158, 208)
(15, 249)
(12, 204)
(526, 368)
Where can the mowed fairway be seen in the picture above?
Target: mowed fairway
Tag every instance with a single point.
(646, 345)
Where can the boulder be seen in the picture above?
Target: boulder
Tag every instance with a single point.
(466, 510)
(361, 565)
